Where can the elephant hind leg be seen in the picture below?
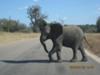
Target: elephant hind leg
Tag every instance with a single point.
(75, 49)
(81, 48)
(74, 58)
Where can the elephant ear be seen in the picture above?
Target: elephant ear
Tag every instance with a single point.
(56, 30)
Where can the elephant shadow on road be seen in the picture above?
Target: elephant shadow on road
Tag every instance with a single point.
(29, 61)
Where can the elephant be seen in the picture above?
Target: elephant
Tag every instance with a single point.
(67, 36)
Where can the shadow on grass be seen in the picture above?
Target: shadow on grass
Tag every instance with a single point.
(29, 61)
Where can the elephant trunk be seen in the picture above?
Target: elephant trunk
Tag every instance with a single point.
(42, 42)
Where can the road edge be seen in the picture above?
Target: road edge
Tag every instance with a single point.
(94, 57)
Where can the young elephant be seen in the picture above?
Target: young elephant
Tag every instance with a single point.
(69, 36)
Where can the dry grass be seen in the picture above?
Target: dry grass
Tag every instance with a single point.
(11, 37)
(94, 41)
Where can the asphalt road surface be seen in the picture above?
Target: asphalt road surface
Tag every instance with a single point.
(29, 58)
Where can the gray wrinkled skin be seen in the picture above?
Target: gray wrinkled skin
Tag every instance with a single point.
(69, 36)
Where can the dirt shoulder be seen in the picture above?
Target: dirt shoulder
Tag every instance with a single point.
(94, 42)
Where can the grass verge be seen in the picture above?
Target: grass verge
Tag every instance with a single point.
(11, 37)
(94, 41)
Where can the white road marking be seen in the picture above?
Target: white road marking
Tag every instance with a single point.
(94, 57)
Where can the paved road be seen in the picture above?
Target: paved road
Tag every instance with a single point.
(28, 58)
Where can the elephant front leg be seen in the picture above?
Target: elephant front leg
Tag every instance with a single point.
(59, 47)
(50, 55)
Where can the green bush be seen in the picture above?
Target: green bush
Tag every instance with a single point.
(9, 25)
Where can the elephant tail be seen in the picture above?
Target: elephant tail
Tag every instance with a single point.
(87, 42)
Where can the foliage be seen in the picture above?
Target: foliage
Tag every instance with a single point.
(34, 14)
(88, 28)
(9, 25)
(98, 24)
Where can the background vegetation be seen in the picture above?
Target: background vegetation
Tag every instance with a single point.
(10, 25)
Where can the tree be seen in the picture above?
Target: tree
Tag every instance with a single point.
(9, 25)
(88, 28)
(98, 24)
(34, 14)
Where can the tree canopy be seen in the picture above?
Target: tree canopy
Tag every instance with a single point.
(9, 25)
(34, 14)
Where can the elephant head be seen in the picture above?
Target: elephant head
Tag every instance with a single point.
(49, 31)
(45, 30)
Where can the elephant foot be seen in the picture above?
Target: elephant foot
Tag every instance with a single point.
(51, 60)
(59, 61)
(84, 60)
(73, 60)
